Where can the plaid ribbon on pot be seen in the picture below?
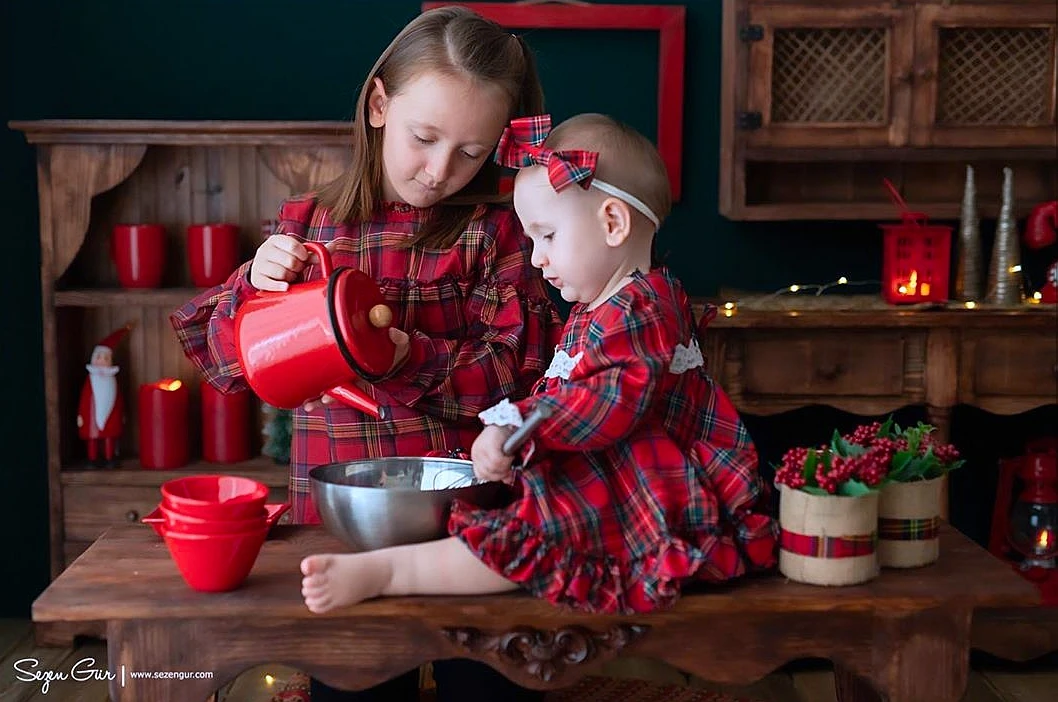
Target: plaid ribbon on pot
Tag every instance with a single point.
(828, 546)
(909, 529)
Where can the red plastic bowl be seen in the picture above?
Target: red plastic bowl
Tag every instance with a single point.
(217, 497)
(176, 521)
(272, 514)
(215, 562)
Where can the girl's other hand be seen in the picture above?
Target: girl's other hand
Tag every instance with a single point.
(278, 262)
(318, 402)
(403, 344)
(490, 463)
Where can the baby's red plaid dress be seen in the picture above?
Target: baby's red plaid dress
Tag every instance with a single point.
(643, 478)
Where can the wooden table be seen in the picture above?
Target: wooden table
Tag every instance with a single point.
(905, 635)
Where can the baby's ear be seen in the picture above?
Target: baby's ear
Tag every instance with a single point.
(615, 216)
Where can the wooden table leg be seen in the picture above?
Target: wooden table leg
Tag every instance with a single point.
(849, 687)
(917, 656)
(138, 650)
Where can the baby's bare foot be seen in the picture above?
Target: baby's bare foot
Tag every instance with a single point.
(337, 580)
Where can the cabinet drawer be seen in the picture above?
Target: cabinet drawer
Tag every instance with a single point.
(1025, 366)
(814, 364)
(89, 510)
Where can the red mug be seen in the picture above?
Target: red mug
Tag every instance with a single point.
(212, 253)
(316, 338)
(138, 251)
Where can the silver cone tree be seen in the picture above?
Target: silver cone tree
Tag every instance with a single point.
(1004, 274)
(969, 270)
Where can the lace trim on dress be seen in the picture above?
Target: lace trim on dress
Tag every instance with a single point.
(504, 413)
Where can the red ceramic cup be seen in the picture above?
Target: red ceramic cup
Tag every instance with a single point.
(212, 253)
(138, 251)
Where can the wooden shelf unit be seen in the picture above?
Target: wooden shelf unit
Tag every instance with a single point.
(819, 103)
(93, 174)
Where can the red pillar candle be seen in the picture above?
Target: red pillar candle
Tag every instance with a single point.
(163, 424)
(225, 425)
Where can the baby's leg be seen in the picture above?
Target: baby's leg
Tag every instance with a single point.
(445, 567)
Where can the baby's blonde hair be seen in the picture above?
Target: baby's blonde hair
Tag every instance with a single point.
(627, 159)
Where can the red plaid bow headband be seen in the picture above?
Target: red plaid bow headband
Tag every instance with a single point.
(521, 146)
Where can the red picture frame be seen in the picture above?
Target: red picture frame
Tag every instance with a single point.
(668, 20)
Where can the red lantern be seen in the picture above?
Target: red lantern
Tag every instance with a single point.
(916, 258)
(1025, 527)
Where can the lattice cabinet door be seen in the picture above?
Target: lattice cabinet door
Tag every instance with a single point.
(985, 75)
(827, 76)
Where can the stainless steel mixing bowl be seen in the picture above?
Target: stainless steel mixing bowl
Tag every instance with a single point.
(375, 503)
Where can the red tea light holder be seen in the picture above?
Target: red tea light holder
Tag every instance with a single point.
(916, 257)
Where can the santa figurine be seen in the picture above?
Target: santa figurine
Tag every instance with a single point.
(101, 411)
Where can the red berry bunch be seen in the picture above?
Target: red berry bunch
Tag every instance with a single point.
(791, 471)
(841, 470)
(864, 434)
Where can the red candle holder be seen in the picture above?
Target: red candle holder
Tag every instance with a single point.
(163, 424)
(225, 425)
(916, 259)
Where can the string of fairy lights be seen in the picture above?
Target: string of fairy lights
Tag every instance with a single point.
(730, 308)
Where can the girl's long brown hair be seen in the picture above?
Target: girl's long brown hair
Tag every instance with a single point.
(455, 41)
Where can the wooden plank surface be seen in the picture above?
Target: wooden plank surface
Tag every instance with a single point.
(98, 586)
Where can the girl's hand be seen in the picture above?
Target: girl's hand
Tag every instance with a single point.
(278, 262)
(403, 344)
(490, 463)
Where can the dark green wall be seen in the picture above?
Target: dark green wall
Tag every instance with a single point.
(303, 59)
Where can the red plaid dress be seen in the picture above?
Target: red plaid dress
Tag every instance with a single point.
(481, 326)
(643, 478)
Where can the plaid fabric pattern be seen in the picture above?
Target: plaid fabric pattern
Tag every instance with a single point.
(521, 146)
(828, 546)
(481, 325)
(909, 529)
(641, 479)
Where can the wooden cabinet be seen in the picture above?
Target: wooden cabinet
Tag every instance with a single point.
(827, 76)
(984, 73)
(861, 356)
(93, 175)
(819, 103)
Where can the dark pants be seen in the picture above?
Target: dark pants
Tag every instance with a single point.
(458, 680)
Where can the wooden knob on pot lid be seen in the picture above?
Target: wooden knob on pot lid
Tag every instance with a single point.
(380, 316)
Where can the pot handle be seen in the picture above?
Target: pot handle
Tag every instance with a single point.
(324, 256)
(356, 398)
(522, 434)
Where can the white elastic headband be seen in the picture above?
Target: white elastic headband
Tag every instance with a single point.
(629, 198)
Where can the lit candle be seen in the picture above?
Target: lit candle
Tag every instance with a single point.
(225, 425)
(163, 424)
(1043, 542)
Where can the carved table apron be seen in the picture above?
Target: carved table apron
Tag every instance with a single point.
(905, 635)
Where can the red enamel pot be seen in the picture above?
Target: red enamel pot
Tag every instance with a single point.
(316, 338)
